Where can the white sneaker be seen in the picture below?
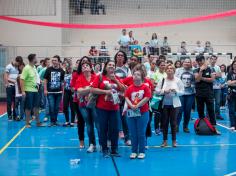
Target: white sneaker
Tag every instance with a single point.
(128, 143)
(141, 156)
(45, 119)
(91, 148)
(133, 155)
(232, 128)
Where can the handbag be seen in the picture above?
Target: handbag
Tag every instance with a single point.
(92, 98)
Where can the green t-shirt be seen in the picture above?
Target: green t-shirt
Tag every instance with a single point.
(158, 76)
(29, 77)
(42, 73)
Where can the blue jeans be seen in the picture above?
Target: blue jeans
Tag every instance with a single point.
(90, 117)
(20, 106)
(217, 95)
(137, 128)
(42, 102)
(186, 107)
(10, 91)
(108, 126)
(54, 102)
(232, 111)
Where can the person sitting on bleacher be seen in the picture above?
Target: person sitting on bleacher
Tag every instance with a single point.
(165, 47)
(199, 49)
(208, 48)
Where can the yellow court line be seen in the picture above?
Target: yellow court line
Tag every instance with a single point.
(9, 143)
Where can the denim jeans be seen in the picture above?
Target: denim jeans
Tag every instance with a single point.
(201, 102)
(186, 107)
(108, 125)
(223, 96)
(54, 102)
(137, 129)
(68, 102)
(90, 117)
(10, 91)
(232, 111)
(217, 95)
(20, 107)
(42, 102)
(123, 126)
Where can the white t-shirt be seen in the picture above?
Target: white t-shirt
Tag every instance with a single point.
(13, 72)
(124, 40)
(199, 49)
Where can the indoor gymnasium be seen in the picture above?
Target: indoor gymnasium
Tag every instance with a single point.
(118, 87)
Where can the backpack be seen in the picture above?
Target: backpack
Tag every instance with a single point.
(202, 126)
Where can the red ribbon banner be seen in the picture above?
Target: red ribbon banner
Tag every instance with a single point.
(121, 26)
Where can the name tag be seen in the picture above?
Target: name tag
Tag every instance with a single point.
(115, 97)
(133, 113)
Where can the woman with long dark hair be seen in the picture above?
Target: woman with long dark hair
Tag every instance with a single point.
(107, 88)
(89, 115)
(231, 81)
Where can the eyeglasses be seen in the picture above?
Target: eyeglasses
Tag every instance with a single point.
(120, 55)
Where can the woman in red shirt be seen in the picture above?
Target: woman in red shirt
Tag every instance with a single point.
(137, 97)
(80, 120)
(89, 115)
(107, 88)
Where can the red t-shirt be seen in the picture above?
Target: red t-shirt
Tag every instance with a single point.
(104, 101)
(137, 93)
(73, 85)
(128, 81)
(81, 83)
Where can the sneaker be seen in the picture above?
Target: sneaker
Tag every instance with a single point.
(164, 144)
(121, 135)
(39, 124)
(45, 119)
(91, 148)
(141, 156)
(27, 126)
(106, 154)
(67, 124)
(186, 130)
(133, 155)
(81, 144)
(232, 128)
(158, 132)
(115, 154)
(109, 143)
(17, 118)
(72, 124)
(128, 143)
(10, 118)
(174, 144)
(217, 132)
(52, 124)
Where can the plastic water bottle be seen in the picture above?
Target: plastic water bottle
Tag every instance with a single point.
(74, 162)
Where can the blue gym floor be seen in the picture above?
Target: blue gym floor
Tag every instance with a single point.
(48, 151)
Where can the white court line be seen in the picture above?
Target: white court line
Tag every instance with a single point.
(231, 174)
(224, 126)
(3, 115)
(72, 147)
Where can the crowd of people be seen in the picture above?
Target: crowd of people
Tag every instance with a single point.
(121, 97)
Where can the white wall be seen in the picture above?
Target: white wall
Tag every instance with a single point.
(16, 34)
